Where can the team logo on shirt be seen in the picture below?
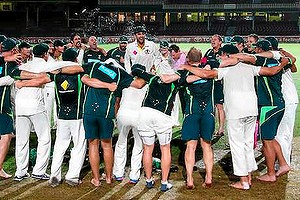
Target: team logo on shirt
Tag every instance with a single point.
(1, 69)
(108, 71)
(147, 51)
(65, 85)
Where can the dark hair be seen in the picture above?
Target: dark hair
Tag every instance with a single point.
(218, 36)
(48, 42)
(73, 35)
(174, 47)
(255, 36)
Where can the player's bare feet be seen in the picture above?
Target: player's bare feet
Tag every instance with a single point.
(241, 186)
(283, 170)
(108, 180)
(4, 175)
(267, 178)
(190, 184)
(95, 182)
(250, 179)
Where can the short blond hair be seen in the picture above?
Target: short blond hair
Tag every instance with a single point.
(194, 55)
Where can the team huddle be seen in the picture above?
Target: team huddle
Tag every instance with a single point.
(84, 92)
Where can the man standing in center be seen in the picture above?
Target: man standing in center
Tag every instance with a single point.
(142, 52)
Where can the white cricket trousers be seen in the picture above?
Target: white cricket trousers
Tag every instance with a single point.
(127, 120)
(241, 140)
(285, 131)
(50, 104)
(41, 126)
(68, 130)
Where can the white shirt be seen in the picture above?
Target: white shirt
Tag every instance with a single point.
(30, 100)
(240, 98)
(148, 56)
(164, 66)
(288, 90)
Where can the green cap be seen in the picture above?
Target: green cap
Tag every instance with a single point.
(70, 55)
(2, 38)
(237, 39)
(8, 44)
(24, 45)
(40, 49)
(264, 45)
(138, 29)
(58, 43)
(229, 49)
(273, 41)
(123, 39)
(164, 44)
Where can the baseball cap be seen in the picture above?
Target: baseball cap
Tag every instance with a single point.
(138, 29)
(40, 49)
(264, 45)
(229, 49)
(58, 43)
(8, 44)
(70, 54)
(164, 44)
(2, 38)
(123, 39)
(237, 39)
(24, 45)
(273, 41)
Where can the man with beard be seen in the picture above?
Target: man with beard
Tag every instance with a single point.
(76, 43)
(118, 53)
(93, 53)
(251, 39)
(142, 52)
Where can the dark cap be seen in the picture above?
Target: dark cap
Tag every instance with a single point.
(138, 29)
(123, 39)
(2, 38)
(70, 55)
(24, 45)
(164, 44)
(58, 43)
(8, 44)
(40, 49)
(237, 39)
(273, 41)
(264, 45)
(229, 49)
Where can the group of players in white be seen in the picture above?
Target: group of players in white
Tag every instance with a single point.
(137, 84)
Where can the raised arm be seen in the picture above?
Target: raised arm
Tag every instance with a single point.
(244, 57)
(270, 71)
(202, 73)
(35, 82)
(96, 83)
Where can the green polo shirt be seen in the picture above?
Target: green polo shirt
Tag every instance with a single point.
(269, 87)
(116, 54)
(101, 101)
(69, 96)
(200, 92)
(93, 56)
(7, 69)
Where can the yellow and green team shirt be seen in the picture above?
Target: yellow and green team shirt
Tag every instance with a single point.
(269, 87)
(69, 96)
(7, 69)
(101, 101)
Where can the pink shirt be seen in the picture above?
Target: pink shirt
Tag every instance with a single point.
(179, 62)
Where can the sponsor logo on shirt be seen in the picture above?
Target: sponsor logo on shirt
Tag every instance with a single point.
(134, 52)
(200, 81)
(147, 51)
(108, 71)
(1, 69)
(65, 85)
(93, 60)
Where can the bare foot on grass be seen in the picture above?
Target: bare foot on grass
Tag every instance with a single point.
(267, 178)
(4, 175)
(95, 182)
(239, 185)
(283, 170)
